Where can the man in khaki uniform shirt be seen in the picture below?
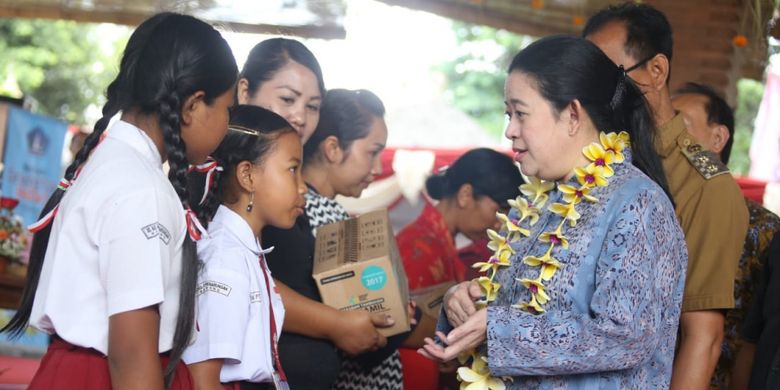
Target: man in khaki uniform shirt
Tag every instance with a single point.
(706, 199)
(708, 202)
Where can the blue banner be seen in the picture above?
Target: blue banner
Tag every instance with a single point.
(33, 160)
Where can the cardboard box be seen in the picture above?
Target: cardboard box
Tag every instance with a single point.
(357, 267)
(429, 299)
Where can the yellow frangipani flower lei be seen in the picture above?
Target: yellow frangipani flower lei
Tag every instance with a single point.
(534, 196)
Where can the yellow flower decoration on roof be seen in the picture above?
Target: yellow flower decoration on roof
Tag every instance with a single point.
(536, 190)
(575, 195)
(477, 377)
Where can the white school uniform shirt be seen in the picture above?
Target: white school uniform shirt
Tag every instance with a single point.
(115, 245)
(233, 317)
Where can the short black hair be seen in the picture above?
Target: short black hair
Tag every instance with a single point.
(718, 112)
(648, 32)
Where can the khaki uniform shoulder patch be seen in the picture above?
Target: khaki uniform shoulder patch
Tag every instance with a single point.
(707, 163)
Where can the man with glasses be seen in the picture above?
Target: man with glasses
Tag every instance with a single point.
(708, 202)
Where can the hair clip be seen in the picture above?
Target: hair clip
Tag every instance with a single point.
(244, 130)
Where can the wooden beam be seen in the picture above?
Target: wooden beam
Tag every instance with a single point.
(135, 18)
(481, 15)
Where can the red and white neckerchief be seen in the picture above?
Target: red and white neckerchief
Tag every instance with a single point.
(208, 167)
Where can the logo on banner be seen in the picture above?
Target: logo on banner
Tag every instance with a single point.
(37, 141)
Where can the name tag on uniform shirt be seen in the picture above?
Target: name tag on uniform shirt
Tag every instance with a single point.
(255, 296)
(215, 287)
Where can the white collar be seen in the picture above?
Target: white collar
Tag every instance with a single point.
(137, 139)
(240, 228)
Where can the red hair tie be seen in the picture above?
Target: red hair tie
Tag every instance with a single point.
(194, 228)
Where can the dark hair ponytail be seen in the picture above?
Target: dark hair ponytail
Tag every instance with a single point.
(168, 58)
(437, 186)
(631, 113)
(252, 134)
(489, 173)
(566, 68)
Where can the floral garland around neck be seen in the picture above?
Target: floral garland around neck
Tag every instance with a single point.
(534, 196)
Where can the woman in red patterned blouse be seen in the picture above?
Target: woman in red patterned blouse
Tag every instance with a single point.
(469, 193)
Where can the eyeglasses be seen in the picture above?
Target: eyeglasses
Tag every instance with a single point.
(640, 63)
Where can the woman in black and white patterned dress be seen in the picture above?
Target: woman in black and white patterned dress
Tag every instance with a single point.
(340, 158)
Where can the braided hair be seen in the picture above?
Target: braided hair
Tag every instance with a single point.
(168, 58)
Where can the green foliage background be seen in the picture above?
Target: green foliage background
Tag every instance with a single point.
(749, 94)
(476, 75)
(475, 85)
(62, 65)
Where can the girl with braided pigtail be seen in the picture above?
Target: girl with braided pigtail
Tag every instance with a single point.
(260, 185)
(114, 265)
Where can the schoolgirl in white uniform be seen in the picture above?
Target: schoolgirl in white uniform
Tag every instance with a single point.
(113, 265)
(239, 312)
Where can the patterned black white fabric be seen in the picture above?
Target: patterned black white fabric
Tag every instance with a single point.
(322, 210)
(388, 374)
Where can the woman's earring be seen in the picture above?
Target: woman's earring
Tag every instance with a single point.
(251, 204)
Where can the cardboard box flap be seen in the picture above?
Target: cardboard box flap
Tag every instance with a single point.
(357, 266)
(353, 240)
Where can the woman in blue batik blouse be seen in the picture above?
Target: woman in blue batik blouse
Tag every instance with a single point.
(585, 286)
